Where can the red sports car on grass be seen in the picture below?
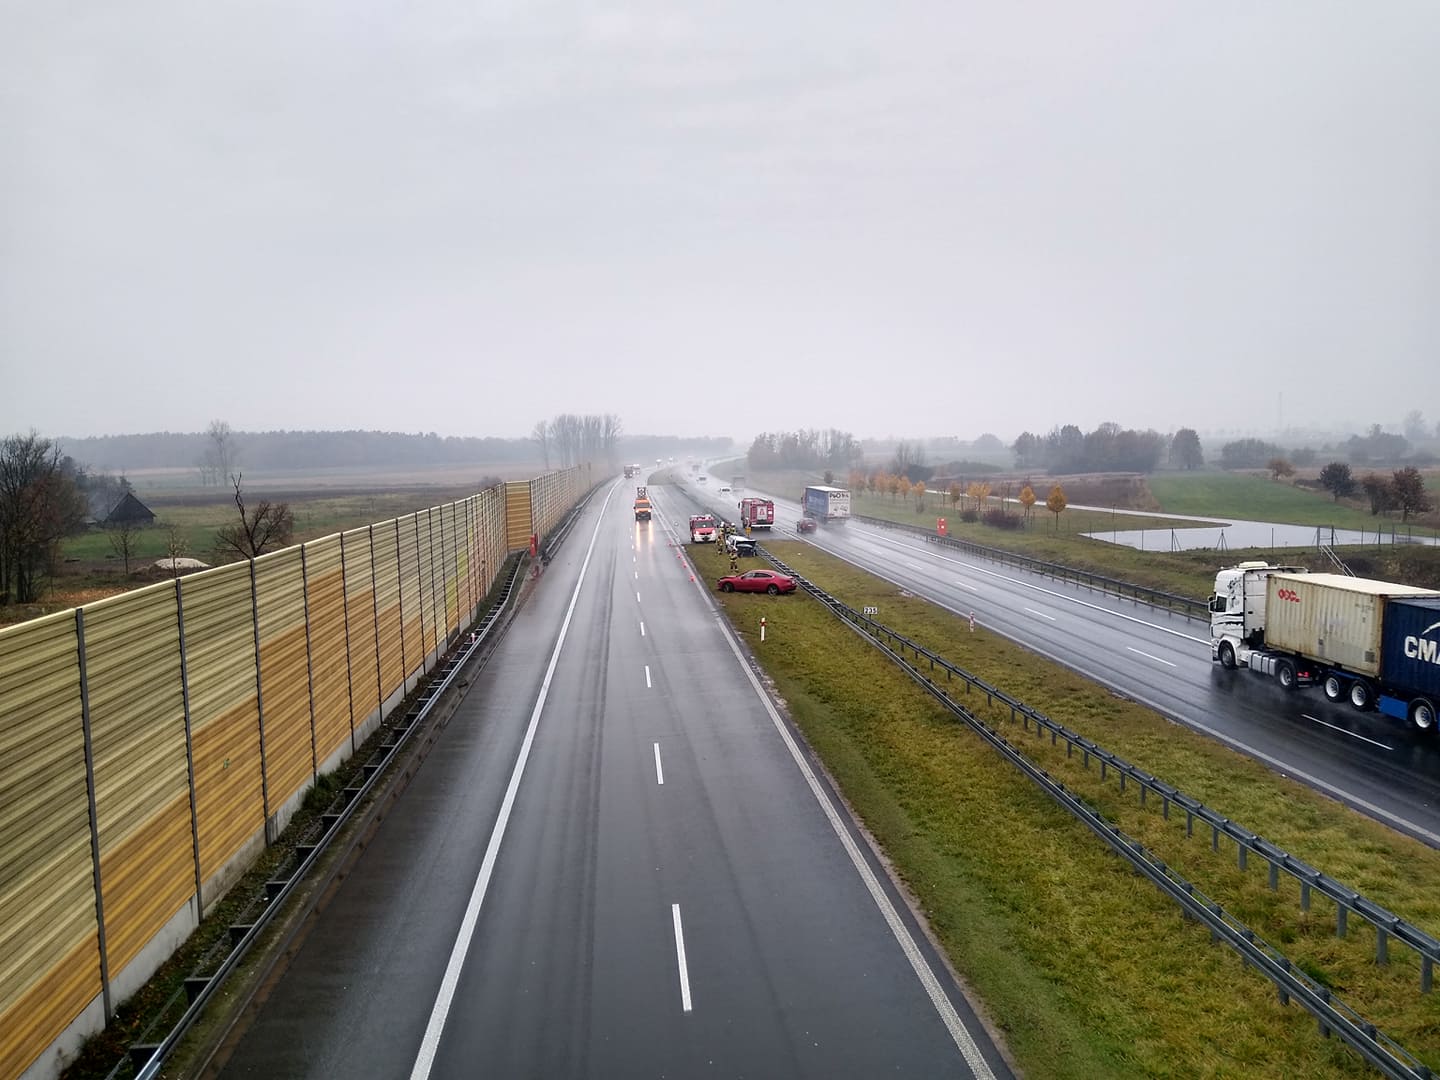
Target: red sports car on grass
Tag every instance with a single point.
(766, 581)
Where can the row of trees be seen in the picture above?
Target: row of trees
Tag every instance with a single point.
(805, 449)
(898, 485)
(1402, 490)
(1109, 448)
(570, 439)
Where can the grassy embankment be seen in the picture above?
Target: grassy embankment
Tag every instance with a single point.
(1186, 573)
(1258, 498)
(1085, 967)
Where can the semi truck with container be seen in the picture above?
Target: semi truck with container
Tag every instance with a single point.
(1373, 643)
(827, 505)
(757, 513)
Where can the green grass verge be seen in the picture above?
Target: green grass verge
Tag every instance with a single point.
(1258, 498)
(1087, 969)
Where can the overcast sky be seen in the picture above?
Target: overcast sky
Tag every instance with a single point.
(919, 218)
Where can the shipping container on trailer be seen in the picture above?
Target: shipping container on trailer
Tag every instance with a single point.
(1411, 645)
(1330, 617)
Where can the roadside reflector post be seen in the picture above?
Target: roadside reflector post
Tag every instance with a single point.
(762, 628)
(972, 622)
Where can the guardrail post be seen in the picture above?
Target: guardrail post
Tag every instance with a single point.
(1304, 895)
(1426, 974)
(1341, 914)
(1382, 950)
(1243, 852)
(1285, 967)
(1274, 877)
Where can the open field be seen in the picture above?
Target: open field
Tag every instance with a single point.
(1085, 967)
(154, 482)
(1258, 498)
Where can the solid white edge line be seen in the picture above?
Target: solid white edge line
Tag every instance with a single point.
(1149, 656)
(647, 678)
(430, 1042)
(659, 772)
(961, 1036)
(685, 1002)
(1344, 731)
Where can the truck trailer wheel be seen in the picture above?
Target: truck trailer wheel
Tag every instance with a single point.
(1285, 674)
(1333, 687)
(1227, 655)
(1362, 696)
(1422, 715)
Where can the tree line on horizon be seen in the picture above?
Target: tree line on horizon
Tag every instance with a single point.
(268, 451)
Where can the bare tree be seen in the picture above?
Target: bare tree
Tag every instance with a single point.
(221, 454)
(39, 504)
(123, 536)
(541, 434)
(176, 548)
(610, 428)
(1279, 467)
(263, 527)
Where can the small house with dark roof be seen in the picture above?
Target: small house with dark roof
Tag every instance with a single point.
(129, 511)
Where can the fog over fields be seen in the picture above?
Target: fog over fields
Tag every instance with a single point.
(929, 218)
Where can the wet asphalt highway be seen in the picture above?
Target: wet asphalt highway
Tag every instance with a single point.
(616, 862)
(1366, 760)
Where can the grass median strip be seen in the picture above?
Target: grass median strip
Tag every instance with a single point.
(1086, 967)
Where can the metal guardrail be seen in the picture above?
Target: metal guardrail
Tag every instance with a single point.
(148, 1058)
(1140, 594)
(1333, 1015)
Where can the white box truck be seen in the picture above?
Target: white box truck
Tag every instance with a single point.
(827, 505)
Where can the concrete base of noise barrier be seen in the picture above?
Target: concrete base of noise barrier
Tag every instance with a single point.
(366, 727)
(157, 950)
(214, 888)
(63, 1050)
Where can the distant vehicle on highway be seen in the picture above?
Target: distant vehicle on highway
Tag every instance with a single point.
(766, 581)
(724, 489)
(806, 525)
